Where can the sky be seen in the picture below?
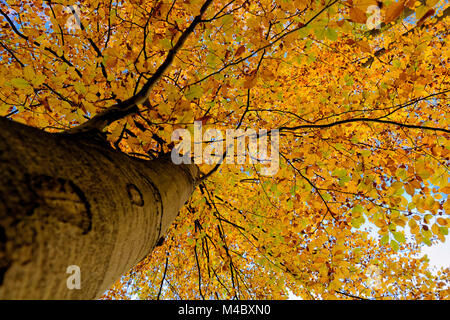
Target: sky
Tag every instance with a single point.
(439, 254)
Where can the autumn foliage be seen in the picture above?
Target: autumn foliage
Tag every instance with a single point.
(363, 116)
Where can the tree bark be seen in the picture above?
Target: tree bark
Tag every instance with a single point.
(73, 200)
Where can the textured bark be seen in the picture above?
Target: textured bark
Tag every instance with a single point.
(72, 200)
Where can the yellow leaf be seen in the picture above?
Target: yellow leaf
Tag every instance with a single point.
(435, 228)
(38, 79)
(413, 226)
(28, 73)
(364, 4)
(164, 108)
(79, 88)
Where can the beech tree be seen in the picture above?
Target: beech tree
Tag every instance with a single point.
(91, 92)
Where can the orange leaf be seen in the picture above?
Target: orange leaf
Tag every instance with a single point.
(249, 82)
(409, 189)
(364, 4)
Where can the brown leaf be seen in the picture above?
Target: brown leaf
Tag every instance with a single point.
(204, 119)
(46, 104)
(394, 11)
(357, 15)
(249, 82)
(365, 46)
(428, 14)
(239, 51)
(410, 4)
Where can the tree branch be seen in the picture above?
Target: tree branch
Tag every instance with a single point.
(163, 278)
(420, 25)
(130, 106)
(329, 125)
(53, 52)
(263, 48)
(12, 54)
(350, 295)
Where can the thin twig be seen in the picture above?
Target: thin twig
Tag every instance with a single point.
(163, 278)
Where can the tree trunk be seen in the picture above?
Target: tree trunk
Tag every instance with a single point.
(73, 200)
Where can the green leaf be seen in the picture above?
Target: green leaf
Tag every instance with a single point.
(357, 208)
(365, 153)
(394, 245)
(348, 80)
(399, 237)
(384, 240)
(194, 92)
(427, 234)
(331, 34)
(311, 57)
(303, 32)
(319, 33)
(357, 222)
(165, 44)
(273, 187)
(20, 83)
(340, 173)
(344, 180)
(212, 60)
(326, 197)
(401, 173)
(227, 19)
(397, 63)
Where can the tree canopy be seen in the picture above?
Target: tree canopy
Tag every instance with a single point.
(362, 112)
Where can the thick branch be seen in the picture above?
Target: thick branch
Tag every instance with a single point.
(329, 125)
